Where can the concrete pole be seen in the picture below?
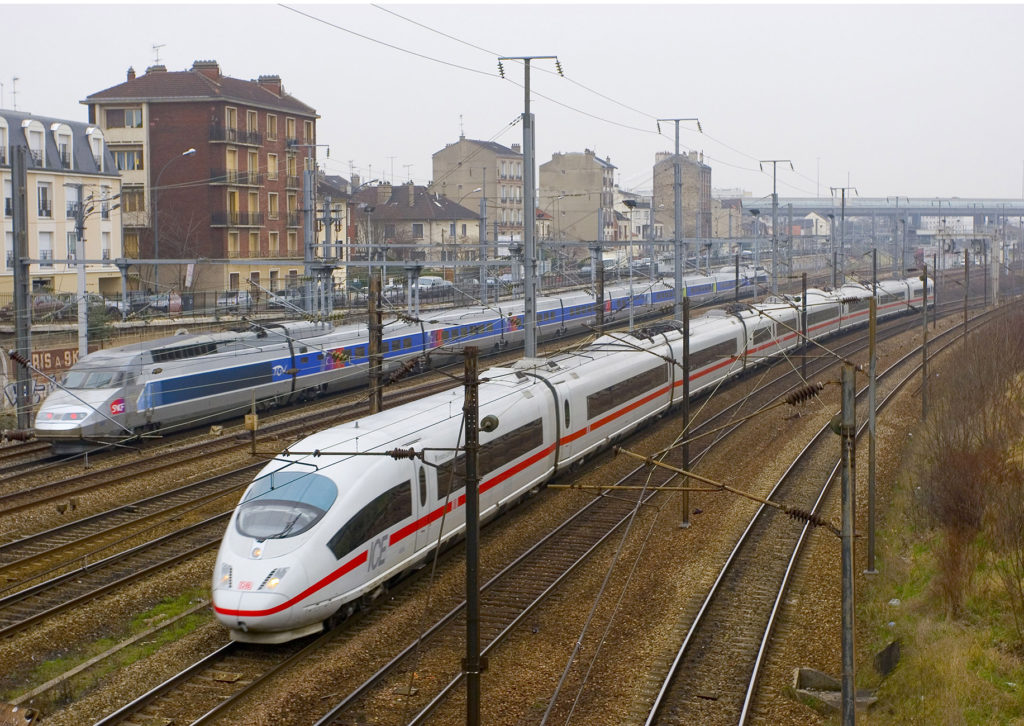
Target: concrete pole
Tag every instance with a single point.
(483, 239)
(83, 307)
(22, 285)
(849, 431)
(471, 416)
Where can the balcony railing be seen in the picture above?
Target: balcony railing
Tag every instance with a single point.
(293, 219)
(105, 254)
(235, 136)
(3, 154)
(36, 155)
(46, 257)
(69, 213)
(105, 212)
(292, 182)
(233, 176)
(45, 209)
(8, 207)
(65, 160)
(99, 161)
(236, 219)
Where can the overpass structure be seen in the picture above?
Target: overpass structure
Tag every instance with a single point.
(894, 206)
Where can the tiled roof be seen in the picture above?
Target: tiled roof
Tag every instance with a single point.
(495, 147)
(425, 206)
(84, 162)
(192, 85)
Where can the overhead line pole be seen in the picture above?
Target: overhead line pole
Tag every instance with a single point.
(842, 223)
(677, 203)
(775, 220)
(530, 208)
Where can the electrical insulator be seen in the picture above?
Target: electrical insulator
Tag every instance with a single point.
(806, 393)
(18, 358)
(501, 69)
(558, 67)
(402, 453)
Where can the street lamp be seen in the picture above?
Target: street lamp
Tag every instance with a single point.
(156, 219)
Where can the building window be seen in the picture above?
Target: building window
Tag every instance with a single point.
(254, 244)
(231, 117)
(417, 230)
(44, 193)
(307, 131)
(72, 241)
(254, 277)
(275, 249)
(130, 242)
(254, 202)
(46, 249)
(272, 205)
(8, 199)
(232, 243)
(271, 126)
(124, 118)
(272, 167)
(9, 249)
(133, 199)
(463, 230)
(451, 229)
(105, 245)
(233, 281)
(252, 123)
(128, 160)
(292, 168)
(254, 167)
(289, 130)
(293, 251)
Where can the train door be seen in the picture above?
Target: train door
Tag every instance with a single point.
(428, 509)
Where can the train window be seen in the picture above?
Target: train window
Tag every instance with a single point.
(406, 343)
(861, 304)
(319, 356)
(423, 487)
(618, 393)
(565, 419)
(382, 513)
(304, 359)
(763, 335)
(711, 354)
(510, 446)
(284, 504)
(359, 351)
(451, 476)
(820, 316)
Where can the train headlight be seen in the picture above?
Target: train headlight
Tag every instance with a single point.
(225, 575)
(257, 551)
(274, 578)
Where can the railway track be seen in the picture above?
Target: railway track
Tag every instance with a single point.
(713, 677)
(519, 588)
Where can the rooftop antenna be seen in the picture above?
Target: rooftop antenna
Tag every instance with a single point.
(392, 169)
(408, 173)
(156, 52)
(462, 130)
(14, 92)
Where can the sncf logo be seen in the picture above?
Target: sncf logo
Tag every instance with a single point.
(117, 406)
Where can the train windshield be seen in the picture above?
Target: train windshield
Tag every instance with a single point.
(94, 378)
(284, 504)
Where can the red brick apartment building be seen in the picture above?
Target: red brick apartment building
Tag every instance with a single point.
(215, 164)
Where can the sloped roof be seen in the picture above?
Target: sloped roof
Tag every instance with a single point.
(192, 85)
(425, 206)
(495, 147)
(84, 162)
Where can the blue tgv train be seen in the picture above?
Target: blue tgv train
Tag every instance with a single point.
(188, 380)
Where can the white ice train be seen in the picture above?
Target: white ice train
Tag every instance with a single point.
(331, 521)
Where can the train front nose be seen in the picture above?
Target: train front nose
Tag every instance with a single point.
(251, 611)
(266, 610)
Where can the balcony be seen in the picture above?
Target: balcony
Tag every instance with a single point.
(65, 160)
(235, 177)
(235, 136)
(105, 212)
(46, 258)
(36, 155)
(236, 219)
(69, 213)
(293, 219)
(292, 182)
(105, 254)
(45, 209)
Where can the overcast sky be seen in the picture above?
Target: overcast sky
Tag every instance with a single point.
(911, 100)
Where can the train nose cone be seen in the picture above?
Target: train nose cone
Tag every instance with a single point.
(251, 610)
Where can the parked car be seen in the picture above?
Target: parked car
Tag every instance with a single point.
(289, 299)
(234, 300)
(165, 302)
(136, 301)
(44, 306)
(431, 286)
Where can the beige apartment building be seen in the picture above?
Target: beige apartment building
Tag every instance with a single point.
(578, 190)
(69, 168)
(469, 169)
(696, 195)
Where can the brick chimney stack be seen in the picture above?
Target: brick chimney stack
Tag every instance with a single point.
(208, 68)
(271, 83)
(131, 73)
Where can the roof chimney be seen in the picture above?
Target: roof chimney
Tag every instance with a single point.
(412, 194)
(271, 83)
(354, 184)
(516, 148)
(208, 68)
(131, 73)
(157, 69)
(383, 193)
